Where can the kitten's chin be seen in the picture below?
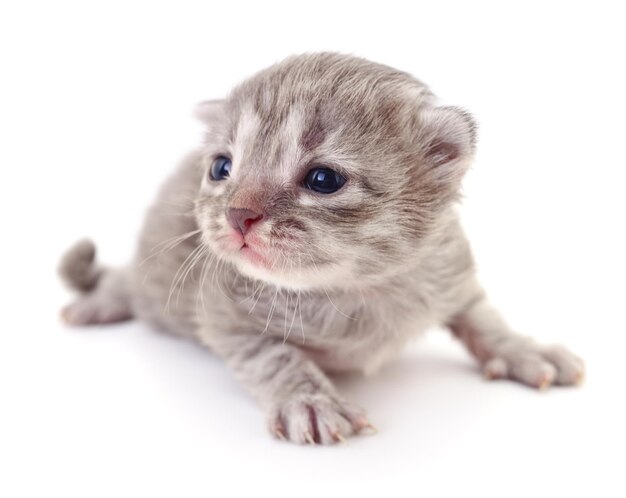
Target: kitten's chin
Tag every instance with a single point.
(321, 276)
(249, 264)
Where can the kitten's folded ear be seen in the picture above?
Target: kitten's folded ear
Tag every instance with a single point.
(447, 138)
(210, 111)
(213, 114)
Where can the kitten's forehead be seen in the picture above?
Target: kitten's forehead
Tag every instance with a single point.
(269, 146)
(245, 133)
(325, 103)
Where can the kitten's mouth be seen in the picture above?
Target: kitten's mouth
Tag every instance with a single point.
(252, 255)
(253, 249)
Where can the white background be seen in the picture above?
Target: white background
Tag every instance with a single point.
(95, 106)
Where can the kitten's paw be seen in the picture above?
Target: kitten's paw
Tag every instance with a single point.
(316, 419)
(95, 309)
(537, 366)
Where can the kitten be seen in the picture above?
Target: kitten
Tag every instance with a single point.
(314, 231)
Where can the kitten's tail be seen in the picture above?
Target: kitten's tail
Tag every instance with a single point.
(78, 267)
(106, 292)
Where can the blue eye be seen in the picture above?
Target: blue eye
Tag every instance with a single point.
(324, 180)
(221, 168)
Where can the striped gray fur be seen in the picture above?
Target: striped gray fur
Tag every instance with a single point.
(345, 279)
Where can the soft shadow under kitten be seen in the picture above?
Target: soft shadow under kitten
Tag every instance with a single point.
(314, 231)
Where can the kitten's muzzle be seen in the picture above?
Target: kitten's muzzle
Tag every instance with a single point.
(242, 219)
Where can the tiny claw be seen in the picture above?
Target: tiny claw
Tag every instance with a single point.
(369, 428)
(544, 384)
(279, 434)
(495, 368)
(309, 438)
(580, 379)
(489, 375)
(64, 315)
(361, 423)
(339, 438)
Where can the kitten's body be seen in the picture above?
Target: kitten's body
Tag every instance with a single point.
(346, 279)
(346, 329)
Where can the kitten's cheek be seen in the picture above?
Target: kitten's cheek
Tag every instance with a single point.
(235, 239)
(230, 242)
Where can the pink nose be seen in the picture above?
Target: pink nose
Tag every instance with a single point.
(242, 219)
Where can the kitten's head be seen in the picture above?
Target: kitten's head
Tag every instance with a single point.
(327, 170)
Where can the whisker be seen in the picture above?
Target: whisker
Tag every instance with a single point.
(285, 317)
(298, 302)
(262, 287)
(218, 280)
(185, 274)
(326, 292)
(208, 261)
(270, 313)
(188, 272)
(169, 244)
(293, 316)
(178, 274)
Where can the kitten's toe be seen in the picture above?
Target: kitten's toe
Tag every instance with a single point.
(531, 369)
(536, 366)
(316, 419)
(570, 368)
(496, 368)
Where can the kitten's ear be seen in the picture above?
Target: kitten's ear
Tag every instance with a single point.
(210, 111)
(447, 137)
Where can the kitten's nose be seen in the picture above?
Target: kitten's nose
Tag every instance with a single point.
(242, 219)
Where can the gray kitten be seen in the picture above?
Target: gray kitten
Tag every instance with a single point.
(314, 231)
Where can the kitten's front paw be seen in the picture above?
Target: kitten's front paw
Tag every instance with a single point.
(536, 365)
(318, 418)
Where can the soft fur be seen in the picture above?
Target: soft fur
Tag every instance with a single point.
(328, 282)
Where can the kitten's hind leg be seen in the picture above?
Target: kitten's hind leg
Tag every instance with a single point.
(504, 354)
(105, 294)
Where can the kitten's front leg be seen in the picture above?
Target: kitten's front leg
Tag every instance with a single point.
(301, 403)
(505, 354)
